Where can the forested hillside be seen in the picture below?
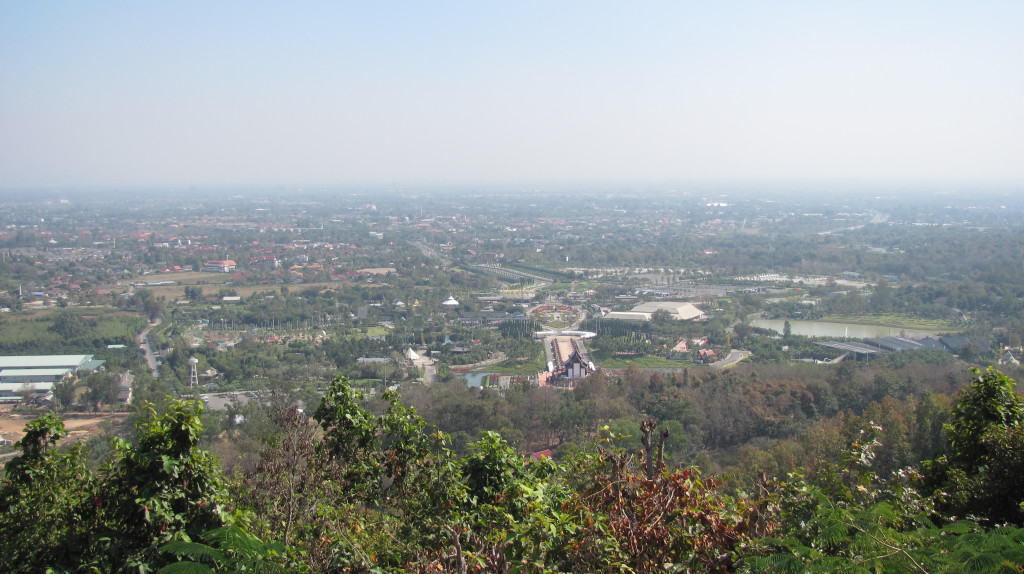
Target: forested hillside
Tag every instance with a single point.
(908, 484)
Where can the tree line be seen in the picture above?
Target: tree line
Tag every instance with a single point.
(373, 487)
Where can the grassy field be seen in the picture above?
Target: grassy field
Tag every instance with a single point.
(21, 333)
(514, 367)
(556, 324)
(894, 321)
(358, 333)
(644, 362)
(210, 281)
(563, 285)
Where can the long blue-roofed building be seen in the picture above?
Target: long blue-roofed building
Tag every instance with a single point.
(35, 375)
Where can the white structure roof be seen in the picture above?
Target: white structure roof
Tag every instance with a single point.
(450, 301)
(678, 310)
(4, 373)
(644, 311)
(411, 355)
(44, 361)
(19, 387)
(628, 316)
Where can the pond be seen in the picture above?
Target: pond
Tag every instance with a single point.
(476, 380)
(840, 330)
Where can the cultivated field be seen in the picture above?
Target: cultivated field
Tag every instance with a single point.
(894, 321)
(214, 282)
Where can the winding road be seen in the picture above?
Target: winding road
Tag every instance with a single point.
(142, 339)
(734, 356)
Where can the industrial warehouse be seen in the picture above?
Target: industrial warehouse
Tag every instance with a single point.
(35, 375)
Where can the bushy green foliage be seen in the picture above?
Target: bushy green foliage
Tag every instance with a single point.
(982, 473)
(851, 519)
(379, 453)
(62, 515)
(224, 549)
(46, 506)
(371, 487)
(989, 403)
(879, 537)
(162, 487)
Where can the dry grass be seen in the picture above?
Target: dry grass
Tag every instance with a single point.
(79, 426)
(172, 292)
(188, 277)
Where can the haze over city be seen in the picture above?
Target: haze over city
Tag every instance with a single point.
(121, 95)
(726, 287)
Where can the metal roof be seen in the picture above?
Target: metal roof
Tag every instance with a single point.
(894, 343)
(851, 347)
(33, 372)
(43, 361)
(18, 387)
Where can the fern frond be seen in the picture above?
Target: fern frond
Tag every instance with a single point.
(234, 539)
(981, 563)
(186, 568)
(193, 551)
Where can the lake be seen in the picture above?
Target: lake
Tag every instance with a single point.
(839, 330)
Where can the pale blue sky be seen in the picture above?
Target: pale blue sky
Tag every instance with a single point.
(143, 93)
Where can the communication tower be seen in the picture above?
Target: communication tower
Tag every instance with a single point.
(193, 375)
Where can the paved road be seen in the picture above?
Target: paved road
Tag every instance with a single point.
(429, 374)
(142, 339)
(493, 360)
(541, 282)
(432, 253)
(731, 359)
(221, 401)
(429, 370)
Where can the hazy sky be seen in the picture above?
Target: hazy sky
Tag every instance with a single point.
(233, 93)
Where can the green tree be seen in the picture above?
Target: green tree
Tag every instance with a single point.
(46, 510)
(883, 297)
(69, 325)
(161, 488)
(661, 317)
(988, 403)
(193, 293)
(819, 536)
(379, 452)
(103, 389)
(147, 303)
(64, 395)
(983, 473)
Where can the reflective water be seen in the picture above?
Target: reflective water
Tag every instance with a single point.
(476, 379)
(838, 330)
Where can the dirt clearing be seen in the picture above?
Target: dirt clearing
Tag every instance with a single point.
(80, 426)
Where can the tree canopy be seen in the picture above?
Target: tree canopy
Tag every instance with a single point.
(370, 486)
